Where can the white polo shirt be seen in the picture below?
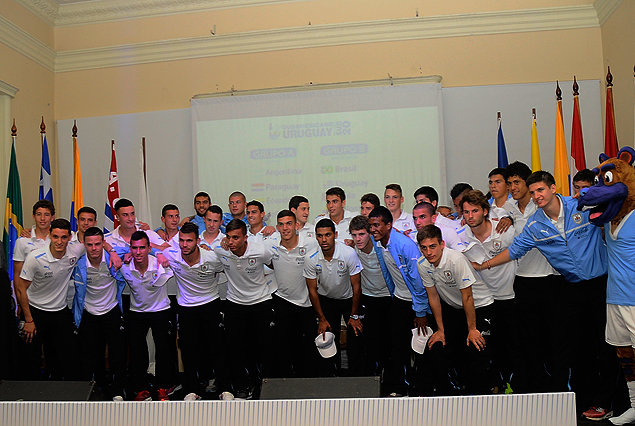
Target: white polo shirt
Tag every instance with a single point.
(308, 230)
(101, 288)
(148, 292)
(51, 284)
(453, 274)
(24, 246)
(342, 227)
(499, 279)
(333, 277)
(246, 283)
(405, 222)
(196, 284)
(116, 241)
(288, 266)
(222, 278)
(214, 243)
(260, 238)
(532, 264)
(373, 281)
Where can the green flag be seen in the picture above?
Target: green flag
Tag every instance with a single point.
(13, 211)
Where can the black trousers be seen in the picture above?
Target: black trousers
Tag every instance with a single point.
(295, 331)
(504, 343)
(202, 343)
(163, 328)
(401, 323)
(377, 328)
(334, 310)
(250, 330)
(55, 333)
(94, 333)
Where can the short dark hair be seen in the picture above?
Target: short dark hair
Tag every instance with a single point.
(61, 224)
(44, 204)
(235, 224)
(459, 188)
(325, 223)
(190, 228)
(497, 171)
(395, 187)
(238, 193)
(286, 213)
(336, 190)
(585, 175)
(370, 198)
(214, 209)
(429, 192)
(258, 204)
(429, 208)
(540, 176)
(358, 223)
(123, 202)
(203, 194)
(476, 198)
(429, 232)
(139, 235)
(167, 208)
(519, 169)
(94, 231)
(296, 200)
(381, 212)
(87, 209)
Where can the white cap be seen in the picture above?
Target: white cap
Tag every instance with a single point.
(326, 344)
(419, 341)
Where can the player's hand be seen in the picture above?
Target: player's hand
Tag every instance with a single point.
(268, 230)
(185, 220)
(503, 224)
(163, 260)
(323, 327)
(205, 247)
(144, 226)
(356, 325)
(25, 233)
(224, 243)
(164, 235)
(127, 258)
(474, 337)
(421, 323)
(29, 331)
(115, 261)
(476, 266)
(438, 336)
(407, 232)
(349, 243)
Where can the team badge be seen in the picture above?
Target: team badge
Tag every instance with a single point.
(72, 260)
(497, 245)
(309, 234)
(577, 218)
(341, 265)
(154, 276)
(400, 259)
(302, 251)
(204, 267)
(252, 262)
(448, 275)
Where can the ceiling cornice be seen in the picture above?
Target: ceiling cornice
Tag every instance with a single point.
(605, 9)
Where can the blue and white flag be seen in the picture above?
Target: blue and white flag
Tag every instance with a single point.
(46, 191)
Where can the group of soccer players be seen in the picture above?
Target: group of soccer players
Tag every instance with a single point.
(507, 290)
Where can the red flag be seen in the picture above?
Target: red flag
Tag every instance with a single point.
(577, 144)
(110, 220)
(610, 133)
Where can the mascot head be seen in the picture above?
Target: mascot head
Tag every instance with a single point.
(613, 195)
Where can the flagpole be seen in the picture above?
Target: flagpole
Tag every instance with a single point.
(535, 147)
(577, 158)
(42, 131)
(561, 163)
(610, 132)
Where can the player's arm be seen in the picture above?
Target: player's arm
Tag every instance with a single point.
(473, 335)
(323, 324)
(435, 305)
(21, 286)
(356, 283)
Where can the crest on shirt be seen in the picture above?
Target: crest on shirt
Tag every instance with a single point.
(577, 218)
(448, 275)
(302, 251)
(497, 245)
(309, 234)
(154, 276)
(400, 259)
(72, 260)
(341, 265)
(252, 262)
(204, 267)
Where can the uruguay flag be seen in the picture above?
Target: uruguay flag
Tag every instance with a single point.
(502, 152)
(46, 191)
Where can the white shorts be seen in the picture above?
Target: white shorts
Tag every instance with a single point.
(620, 325)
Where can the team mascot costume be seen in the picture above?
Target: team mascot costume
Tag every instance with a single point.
(612, 202)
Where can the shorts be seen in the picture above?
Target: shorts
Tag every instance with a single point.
(620, 325)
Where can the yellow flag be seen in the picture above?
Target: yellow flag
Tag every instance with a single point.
(535, 148)
(78, 195)
(561, 163)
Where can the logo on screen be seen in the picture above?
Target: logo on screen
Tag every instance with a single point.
(356, 148)
(327, 170)
(260, 154)
(274, 133)
(257, 187)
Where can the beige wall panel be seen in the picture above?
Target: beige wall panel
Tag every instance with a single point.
(27, 21)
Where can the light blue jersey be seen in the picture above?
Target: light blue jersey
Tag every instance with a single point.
(620, 288)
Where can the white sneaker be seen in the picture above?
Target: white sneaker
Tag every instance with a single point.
(192, 397)
(626, 418)
(118, 398)
(227, 396)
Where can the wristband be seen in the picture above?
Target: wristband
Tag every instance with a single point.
(488, 265)
(28, 322)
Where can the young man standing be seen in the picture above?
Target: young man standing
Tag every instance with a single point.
(86, 218)
(461, 305)
(583, 179)
(98, 315)
(199, 313)
(335, 204)
(248, 307)
(149, 309)
(299, 205)
(398, 256)
(332, 275)
(393, 199)
(368, 203)
(255, 233)
(424, 214)
(202, 201)
(500, 194)
(295, 317)
(170, 217)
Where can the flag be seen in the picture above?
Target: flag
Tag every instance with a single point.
(78, 196)
(143, 208)
(578, 160)
(535, 148)
(46, 191)
(13, 210)
(561, 165)
(110, 222)
(610, 133)
(502, 152)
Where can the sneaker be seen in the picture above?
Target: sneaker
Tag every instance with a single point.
(394, 395)
(174, 388)
(163, 395)
(211, 387)
(245, 394)
(597, 413)
(226, 396)
(118, 398)
(143, 396)
(192, 397)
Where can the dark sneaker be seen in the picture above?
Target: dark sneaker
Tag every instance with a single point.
(143, 396)
(162, 395)
(597, 413)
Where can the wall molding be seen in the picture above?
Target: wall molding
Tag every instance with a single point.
(24, 43)
(529, 20)
(7, 90)
(605, 9)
